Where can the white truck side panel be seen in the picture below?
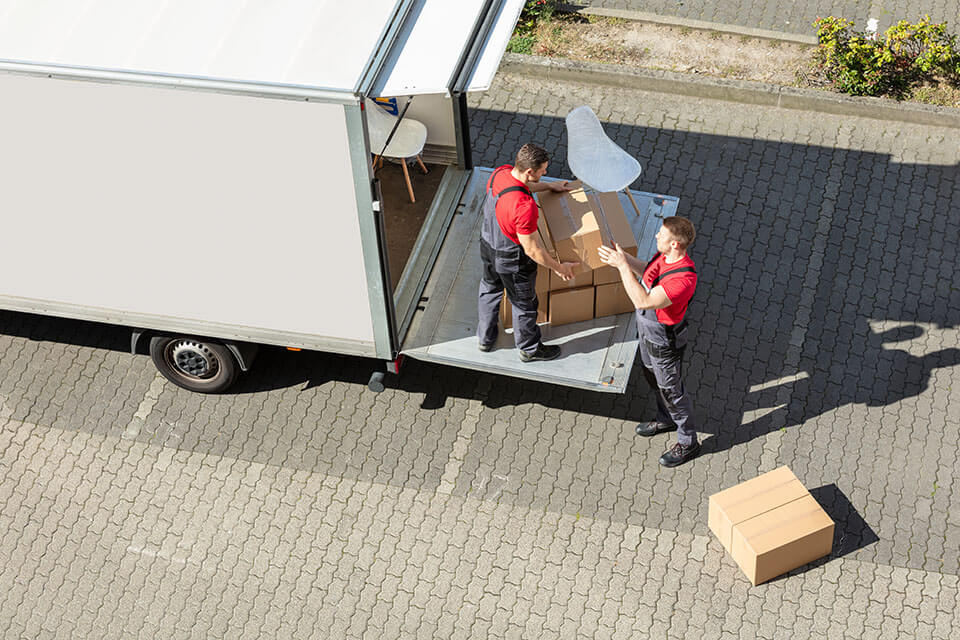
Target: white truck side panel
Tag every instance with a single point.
(232, 210)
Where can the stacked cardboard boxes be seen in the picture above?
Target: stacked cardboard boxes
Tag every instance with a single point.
(770, 525)
(572, 227)
(576, 224)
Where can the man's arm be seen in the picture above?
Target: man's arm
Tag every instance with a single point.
(535, 251)
(636, 266)
(557, 186)
(656, 299)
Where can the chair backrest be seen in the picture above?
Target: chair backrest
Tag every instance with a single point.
(379, 124)
(593, 157)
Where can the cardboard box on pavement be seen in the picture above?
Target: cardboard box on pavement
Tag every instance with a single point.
(579, 223)
(770, 525)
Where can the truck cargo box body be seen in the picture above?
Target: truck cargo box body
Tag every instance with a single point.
(157, 207)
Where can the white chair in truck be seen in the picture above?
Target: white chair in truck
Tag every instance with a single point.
(406, 142)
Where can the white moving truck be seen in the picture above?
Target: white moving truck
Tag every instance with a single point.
(201, 173)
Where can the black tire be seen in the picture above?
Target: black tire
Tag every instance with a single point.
(195, 364)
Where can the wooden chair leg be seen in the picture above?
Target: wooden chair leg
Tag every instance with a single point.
(406, 176)
(423, 167)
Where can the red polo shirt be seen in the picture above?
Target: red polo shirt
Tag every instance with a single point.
(679, 287)
(516, 211)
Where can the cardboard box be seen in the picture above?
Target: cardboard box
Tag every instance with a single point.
(506, 310)
(578, 281)
(770, 525)
(578, 223)
(571, 305)
(782, 539)
(611, 299)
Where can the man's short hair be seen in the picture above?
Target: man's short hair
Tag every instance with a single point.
(681, 229)
(531, 156)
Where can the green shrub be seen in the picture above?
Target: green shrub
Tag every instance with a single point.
(521, 43)
(534, 12)
(905, 57)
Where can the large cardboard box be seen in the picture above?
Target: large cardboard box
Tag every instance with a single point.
(770, 525)
(571, 305)
(578, 223)
(612, 299)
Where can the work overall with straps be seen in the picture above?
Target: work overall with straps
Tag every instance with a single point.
(661, 351)
(506, 266)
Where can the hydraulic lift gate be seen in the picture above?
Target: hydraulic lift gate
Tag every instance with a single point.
(598, 354)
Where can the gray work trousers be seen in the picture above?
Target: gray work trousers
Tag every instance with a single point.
(663, 368)
(520, 284)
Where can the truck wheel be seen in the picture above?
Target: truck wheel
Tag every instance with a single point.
(194, 364)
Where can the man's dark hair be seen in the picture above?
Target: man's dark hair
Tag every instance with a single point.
(531, 156)
(681, 229)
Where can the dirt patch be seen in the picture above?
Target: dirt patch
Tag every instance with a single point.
(672, 49)
(651, 46)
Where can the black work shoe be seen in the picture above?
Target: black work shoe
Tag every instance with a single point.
(543, 352)
(678, 454)
(486, 348)
(652, 428)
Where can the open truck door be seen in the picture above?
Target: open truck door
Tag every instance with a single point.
(597, 354)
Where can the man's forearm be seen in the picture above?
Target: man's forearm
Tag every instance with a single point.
(536, 187)
(542, 257)
(635, 291)
(635, 265)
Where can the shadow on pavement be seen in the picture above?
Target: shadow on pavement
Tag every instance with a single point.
(817, 264)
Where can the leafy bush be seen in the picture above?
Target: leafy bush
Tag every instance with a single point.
(534, 12)
(905, 57)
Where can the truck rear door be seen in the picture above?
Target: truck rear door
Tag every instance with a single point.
(598, 354)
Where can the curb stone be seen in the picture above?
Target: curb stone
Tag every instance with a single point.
(703, 25)
(743, 91)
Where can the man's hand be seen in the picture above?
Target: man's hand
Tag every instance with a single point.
(558, 187)
(616, 257)
(566, 270)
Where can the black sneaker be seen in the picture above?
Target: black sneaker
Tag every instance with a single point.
(543, 352)
(652, 428)
(678, 454)
(486, 348)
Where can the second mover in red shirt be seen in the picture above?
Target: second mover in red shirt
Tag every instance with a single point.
(679, 287)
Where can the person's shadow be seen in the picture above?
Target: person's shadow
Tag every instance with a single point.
(887, 376)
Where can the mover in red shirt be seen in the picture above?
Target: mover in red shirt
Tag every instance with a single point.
(661, 291)
(511, 250)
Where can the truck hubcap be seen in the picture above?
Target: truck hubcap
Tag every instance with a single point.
(192, 359)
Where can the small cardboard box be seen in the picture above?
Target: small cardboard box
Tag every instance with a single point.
(612, 299)
(770, 525)
(579, 223)
(506, 310)
(571, 305)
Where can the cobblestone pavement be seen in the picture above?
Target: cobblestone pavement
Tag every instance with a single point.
(790, 16)
(463, 505)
